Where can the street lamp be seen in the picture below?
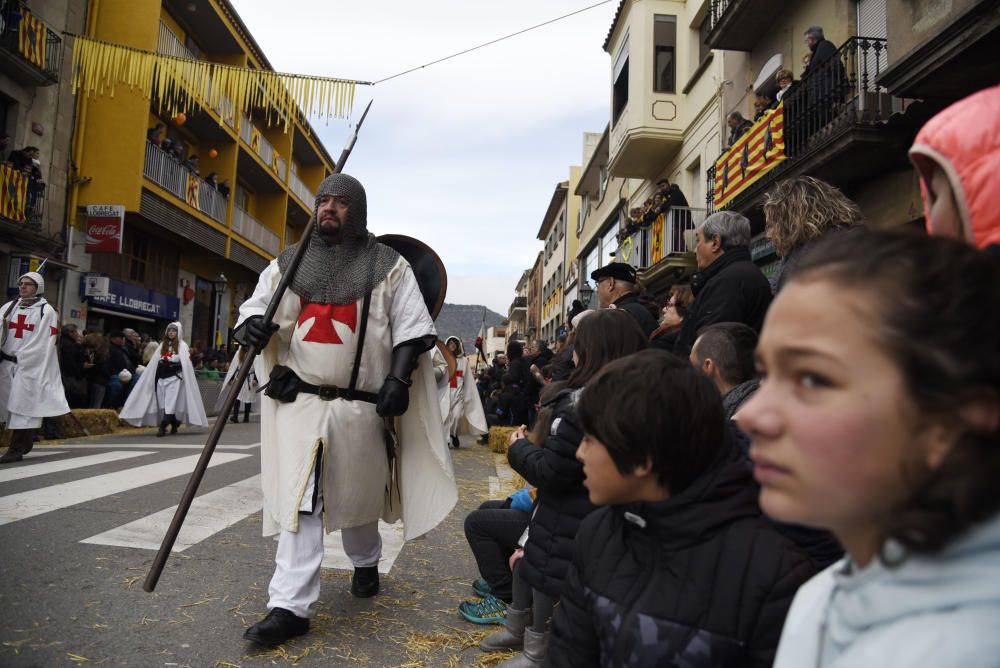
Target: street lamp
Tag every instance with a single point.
(219, 284)
(586, 292)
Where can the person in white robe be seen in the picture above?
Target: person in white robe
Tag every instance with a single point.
(166, 393)
(247, 394)
(30, 384)
(344, 359)
(462, 409)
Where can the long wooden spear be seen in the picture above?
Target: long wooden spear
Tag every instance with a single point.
(249, 353)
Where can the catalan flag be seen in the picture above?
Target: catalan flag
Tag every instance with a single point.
(192, 191)
(13, 193)
(31, 39)
(758, 151)
(657, 235)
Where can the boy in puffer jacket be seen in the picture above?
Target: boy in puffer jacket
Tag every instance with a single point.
(678, 568)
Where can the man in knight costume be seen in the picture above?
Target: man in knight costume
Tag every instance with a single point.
(30, 385)
(347, 372)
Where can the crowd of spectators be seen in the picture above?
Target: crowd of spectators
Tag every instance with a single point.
(177, 151)
(821, 446)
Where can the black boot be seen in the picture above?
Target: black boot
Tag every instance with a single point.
(235, 417)
(162, 431)
(279, 626)
(454, 442)
(174, 423)
(21, 442)
(364, 584)
(246, 414)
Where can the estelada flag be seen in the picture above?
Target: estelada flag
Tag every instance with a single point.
(31, 39)
(758, 151)
(13, 193)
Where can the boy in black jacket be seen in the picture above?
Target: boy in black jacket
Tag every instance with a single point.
(679, 568)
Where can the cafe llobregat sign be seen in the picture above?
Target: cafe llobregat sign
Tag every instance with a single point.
(105, 228)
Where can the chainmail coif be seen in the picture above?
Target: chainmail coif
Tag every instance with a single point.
(345, 272)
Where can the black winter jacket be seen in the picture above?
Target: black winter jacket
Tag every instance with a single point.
(731, 289)
(562, 500)
(699, 580)
(634, 307)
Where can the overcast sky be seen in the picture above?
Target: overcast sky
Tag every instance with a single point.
(465, 154)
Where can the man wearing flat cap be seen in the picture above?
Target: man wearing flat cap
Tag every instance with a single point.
(616, 288)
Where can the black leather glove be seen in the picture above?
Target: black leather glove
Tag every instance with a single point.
(253, 332)
(394, 397)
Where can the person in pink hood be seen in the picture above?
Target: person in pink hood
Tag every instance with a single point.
(957, 154)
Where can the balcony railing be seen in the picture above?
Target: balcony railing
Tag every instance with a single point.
(254, 231)
(670, 234)
(307, 196)
(161, 168)
(263, 148)
(22, 200)
(31, 42)
(841, 92)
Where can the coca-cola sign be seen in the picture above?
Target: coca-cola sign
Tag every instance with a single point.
(105, 228)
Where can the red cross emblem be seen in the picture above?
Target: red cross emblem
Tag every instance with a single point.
(53, 330)
(20, 326)
(454, 379)
(322, 330)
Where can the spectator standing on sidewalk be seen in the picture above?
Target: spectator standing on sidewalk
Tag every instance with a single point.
(73, 366)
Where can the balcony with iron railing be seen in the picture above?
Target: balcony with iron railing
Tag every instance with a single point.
(163, 169)
(257, 143)
(670, 235)
(169, 44)
(255, 232)
(301, 190)
(30, 50)
(833, 125)
(22, 199)
(739, 25)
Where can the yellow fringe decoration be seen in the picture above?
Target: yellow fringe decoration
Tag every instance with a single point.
(184, 85)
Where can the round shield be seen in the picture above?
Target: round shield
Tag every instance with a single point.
(427, 268)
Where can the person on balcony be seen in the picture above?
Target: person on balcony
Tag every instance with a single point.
(737, 126)
(224, 188)
(213, 180)
(728, 287)
(786, 84)
(824, 77)
(155, 133)
(617, 288)
(4, 143)
(191, 164)
(760, 106)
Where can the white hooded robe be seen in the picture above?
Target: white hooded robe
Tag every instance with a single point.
(32, 388)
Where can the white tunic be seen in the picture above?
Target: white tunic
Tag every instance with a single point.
(150, 399)
(32, 388)
(462, 404)
(319, 343)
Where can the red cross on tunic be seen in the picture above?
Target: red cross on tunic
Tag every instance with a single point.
(53, 330)
(20, 326)
(322, 330)
(454, 379)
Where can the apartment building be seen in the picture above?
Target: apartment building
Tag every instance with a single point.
(190, 250)
(36, 110)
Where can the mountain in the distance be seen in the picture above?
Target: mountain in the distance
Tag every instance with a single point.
(464, 321)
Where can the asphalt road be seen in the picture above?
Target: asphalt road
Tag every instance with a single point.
(80, 521)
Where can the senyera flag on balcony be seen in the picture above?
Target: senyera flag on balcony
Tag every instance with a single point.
(184, 85)
(14, 193)
(31, 37)
(758, 151)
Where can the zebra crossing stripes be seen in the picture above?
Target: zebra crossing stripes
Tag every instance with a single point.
(56, 497)
(209, 514)
(45, 468)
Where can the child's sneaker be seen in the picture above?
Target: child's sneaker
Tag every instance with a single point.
(490, 610)
(481, 587)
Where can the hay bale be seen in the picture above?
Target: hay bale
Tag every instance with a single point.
(500, 438)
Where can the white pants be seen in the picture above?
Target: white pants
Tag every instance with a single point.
(167, 392)
(295, 583)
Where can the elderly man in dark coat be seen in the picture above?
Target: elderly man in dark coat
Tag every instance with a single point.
(616, 288)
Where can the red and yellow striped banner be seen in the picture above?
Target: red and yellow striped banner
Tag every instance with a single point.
(31, 39)
(192, 192)
(657, 228)
(14, 194)
(758, 151)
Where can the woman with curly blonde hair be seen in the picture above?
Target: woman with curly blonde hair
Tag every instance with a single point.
(800, 210)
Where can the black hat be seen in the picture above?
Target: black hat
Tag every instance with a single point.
(616, 270)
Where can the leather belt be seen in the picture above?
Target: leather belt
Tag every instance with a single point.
(4, 357)
(331, 392)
